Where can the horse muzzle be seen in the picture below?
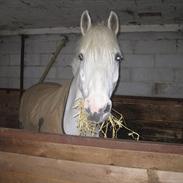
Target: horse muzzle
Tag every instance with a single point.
(101, 115)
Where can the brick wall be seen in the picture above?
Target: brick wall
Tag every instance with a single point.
(153, 64)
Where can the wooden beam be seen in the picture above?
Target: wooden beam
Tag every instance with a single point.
(146, 108)
(165, 157)
(68, 30)
(68, 171)
(54, 170)
(155, 119)
(22, 54)
(94, 142)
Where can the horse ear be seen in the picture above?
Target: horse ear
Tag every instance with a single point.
(85, 22)
(113, 22)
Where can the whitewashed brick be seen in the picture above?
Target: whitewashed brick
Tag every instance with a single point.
(36, 72)
(4, 82)
(169, 60)
(44, 59)
(180, 46)
(156, 46)
(14, 82)
(47, 46)
(134, 88)
(15, 59)
(179, 75)
(9, 71)
(14, 71)
(127, 46)
(171, 90)
(153, 65)
(10, 44)
(72, 38)
(32, 60)
(36, 47)
(149, 75)
(64, 73)
(45, 37)
(4, 71)
(124, 74)
(51, 73)
(10, 39)
(135, 61)
(9, 48)
(4, 60)
(64, 59)
(150, 36)
(28, 82)
(33, 72)
(70, 47)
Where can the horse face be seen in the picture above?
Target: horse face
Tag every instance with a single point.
(97, 84)
(99, 57)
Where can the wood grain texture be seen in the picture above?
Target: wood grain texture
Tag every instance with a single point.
(27, 168)
(147, 108)
(155, 119)
(68, 171)
(33, 157)
(167, 157)
(9, 104)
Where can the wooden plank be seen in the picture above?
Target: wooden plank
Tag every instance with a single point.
(138, 108)
(168, 177)
(94, 142)
(155, 109)
(155, 119)
(76, 30)
(9, 103)
(116, 153)
(69, 171)
(16, 177)
(53, 170)
(152, 131)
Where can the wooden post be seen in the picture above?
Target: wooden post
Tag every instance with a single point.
(22, 64)
(53, 58)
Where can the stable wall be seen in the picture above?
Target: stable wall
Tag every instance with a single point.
(153, 64)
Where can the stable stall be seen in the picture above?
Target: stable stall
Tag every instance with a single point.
(149, 92)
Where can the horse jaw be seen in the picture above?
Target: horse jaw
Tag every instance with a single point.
(69, 121)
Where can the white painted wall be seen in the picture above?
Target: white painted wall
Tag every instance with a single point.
(153, 64)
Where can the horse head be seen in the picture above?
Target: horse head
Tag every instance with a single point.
(97, 65)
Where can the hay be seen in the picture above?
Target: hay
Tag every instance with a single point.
(85, 126)
(115, 121)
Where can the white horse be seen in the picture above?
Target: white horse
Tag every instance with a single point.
(96, 72)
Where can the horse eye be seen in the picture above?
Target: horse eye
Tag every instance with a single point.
(118, 57)
(80, 57)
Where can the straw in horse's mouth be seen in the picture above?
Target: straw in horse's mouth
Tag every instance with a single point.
(114, 121)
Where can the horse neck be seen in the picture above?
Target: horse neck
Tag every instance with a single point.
(70, 122)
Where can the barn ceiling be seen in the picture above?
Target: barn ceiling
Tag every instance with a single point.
(23, 14)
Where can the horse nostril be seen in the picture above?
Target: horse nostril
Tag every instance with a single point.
(94, 117)
(88, 110)
(107, 109)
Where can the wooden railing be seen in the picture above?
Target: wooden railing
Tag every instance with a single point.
(155, 119)
(31, 157)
